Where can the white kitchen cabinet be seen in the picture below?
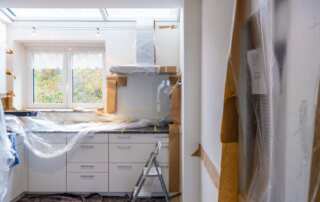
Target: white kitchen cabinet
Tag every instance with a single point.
(47, 175)
(135, 153)
(18, 177)
(89, 153)
(123, 177)
(87, 182)
(87, 164)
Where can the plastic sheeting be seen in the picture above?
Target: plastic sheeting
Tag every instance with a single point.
(145, 42)
(135, 69)
(6, 155)
(43, 149)
(278, 81)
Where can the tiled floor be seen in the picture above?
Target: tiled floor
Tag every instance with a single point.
(74, 198)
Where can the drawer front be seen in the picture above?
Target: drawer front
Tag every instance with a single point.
(88, 153)
(138, 138)
(87, 167)
(98, 138)
(53, 138)
(123, 178)
(87, 182)
(135, 153)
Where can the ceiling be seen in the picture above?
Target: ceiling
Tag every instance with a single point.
(91, 3)
(92, 14)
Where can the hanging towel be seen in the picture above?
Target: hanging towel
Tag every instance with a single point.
(16, 160)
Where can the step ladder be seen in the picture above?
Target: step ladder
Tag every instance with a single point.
(151, 170)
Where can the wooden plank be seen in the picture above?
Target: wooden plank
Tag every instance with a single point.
(314, 191)
(208, 164)
(174, 158)
(111, 104)
(175, 111)
(168, 70)
(228, 189)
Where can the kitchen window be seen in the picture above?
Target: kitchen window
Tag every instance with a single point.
(70, 78)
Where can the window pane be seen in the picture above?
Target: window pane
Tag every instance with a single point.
(48, 86)
(87, 77)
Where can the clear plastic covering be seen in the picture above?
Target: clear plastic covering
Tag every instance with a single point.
(42, 148)
(277, 86)
(135, 69)
(145, 41)
(6, 155)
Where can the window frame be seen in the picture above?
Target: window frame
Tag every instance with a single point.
(67, 76)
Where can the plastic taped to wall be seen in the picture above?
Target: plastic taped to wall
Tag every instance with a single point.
(43, 149)
(135, 69)
(277, 90)
(145, 42)
(6, 155)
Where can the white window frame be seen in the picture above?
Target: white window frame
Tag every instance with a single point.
(67, 74)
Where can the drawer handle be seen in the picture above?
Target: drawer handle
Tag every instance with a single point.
(165, 146)
(124, 147)
(87, 176)
(87, 146)
(126, 167)
(124, 137)
(87, 166)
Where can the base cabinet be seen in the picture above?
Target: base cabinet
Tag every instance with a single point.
(17, 177)
(47, 175)
(99, 163)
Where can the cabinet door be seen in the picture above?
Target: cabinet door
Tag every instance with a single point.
(47, 175)
(17, 177)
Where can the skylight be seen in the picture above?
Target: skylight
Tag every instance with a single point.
(55, 14)
(95, 14)
(131, 14)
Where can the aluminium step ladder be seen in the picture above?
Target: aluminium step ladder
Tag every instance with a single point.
(151, 170)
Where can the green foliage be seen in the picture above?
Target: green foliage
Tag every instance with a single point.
(48, 86)
(87, 86)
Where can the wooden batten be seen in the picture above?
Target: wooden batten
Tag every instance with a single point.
(174, 158)
(113, 83)
(168, 70)
(228, 184)
(175, 99)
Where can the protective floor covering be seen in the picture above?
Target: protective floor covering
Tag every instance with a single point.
(76, 198)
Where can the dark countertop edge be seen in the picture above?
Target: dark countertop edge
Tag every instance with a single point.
(126, 131)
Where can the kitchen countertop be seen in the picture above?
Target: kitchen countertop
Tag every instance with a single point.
(149, 130)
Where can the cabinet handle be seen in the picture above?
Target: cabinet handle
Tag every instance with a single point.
(165, 146)
(124, 147)
(87, 146)
(126, 167)
(87, 176)
(87, 166)
(124, 137)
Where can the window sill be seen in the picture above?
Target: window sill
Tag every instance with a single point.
(60, 110)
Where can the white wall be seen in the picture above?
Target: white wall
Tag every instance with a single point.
(3, 45)
(217, 20)
(191, 96)
(135, 100)
(302, 80)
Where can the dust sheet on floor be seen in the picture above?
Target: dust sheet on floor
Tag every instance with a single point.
(80, 198)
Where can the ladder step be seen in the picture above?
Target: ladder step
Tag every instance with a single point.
(152, 172)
